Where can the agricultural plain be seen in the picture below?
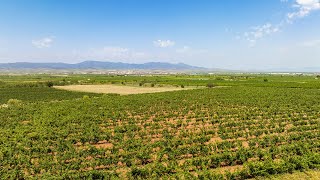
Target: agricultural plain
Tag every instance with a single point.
(252, 127)
(119, 89)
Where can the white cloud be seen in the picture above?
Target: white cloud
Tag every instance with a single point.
(259, 32)
(43, 43)
(304, 8)
(163, 43)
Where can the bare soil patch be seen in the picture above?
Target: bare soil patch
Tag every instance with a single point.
(214, 140)
(119, 89)
(231, 169)
(103, 145)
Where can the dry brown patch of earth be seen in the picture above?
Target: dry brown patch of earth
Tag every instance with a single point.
(104, 145)
(214, 140)
(231, 169)
(118, 89)
(99, 145)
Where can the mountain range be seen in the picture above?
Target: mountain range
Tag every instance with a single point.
(100, 65)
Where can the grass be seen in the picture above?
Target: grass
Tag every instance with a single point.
(305, 175)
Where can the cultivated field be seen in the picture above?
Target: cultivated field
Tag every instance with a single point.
(303, 175)
(258, 126)
(119, 89)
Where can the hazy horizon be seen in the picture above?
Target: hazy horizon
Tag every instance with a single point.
(229, 34)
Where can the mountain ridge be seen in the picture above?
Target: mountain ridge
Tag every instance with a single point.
(100, 65)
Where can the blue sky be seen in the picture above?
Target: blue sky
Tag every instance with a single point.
(233, 34)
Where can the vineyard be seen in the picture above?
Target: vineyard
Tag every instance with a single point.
(251, 126)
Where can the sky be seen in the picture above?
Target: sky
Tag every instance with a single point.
(229, 34)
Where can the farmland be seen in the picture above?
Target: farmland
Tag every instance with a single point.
(119, 89)
(252, 126)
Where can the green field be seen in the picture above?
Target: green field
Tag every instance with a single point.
(251, 126)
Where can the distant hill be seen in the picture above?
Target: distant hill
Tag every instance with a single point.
(100, 65)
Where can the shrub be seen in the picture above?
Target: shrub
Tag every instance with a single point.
(139, 173)
(152, 85)
(14, 102)
(85, 97)
(182, 86)
(2, 83)
(210, 85)
(265, 80)
(49, 84)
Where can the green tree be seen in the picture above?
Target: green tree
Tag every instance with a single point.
(49, 84)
